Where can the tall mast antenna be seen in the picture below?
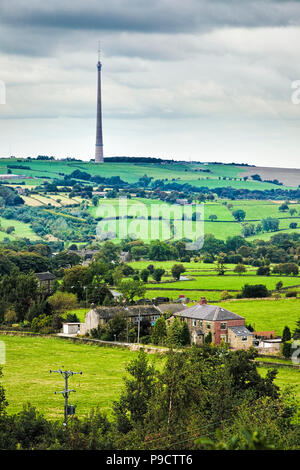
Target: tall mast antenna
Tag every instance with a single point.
(99, 51)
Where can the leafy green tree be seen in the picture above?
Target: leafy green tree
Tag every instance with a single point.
(145, 275)
(185, 337)
(117, 327)
(174, 333)
(42, 324)
(287, 350)
(19, 291)
(177, 270)
(62, 301)
(75, 280)
(239, 215)
(270, 224)
(98, 292)
(279, 285)
(263, 271)
(283, 207)
(95, 200)
(133, 404)
(66, 259)
(109, 252)
(208, 338)
(159, 331)
(221, 264)
(255, 291)
(240, 269)
(286, 334)
(158, 273)
(161, 251)
(131, 288)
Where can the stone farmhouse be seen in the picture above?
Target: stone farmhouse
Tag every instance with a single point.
(135, 313)
(201, 319)
(223, 325)
(46, 282)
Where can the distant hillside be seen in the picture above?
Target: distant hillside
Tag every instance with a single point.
(287, 176)
(130, 170)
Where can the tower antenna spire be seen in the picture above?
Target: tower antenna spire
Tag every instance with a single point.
(99, 139)
(99, 51)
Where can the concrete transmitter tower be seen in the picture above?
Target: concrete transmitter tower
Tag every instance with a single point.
(99, 139)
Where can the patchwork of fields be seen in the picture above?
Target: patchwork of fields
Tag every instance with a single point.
(209, 175)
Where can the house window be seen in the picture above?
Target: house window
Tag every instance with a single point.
(244, 338)
(223, 338)
(223, 326)
(200, 323)
(208, 326)
(193, 322)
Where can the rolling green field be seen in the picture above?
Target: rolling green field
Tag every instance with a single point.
(21, 229)
(228, 282)
(131, 172)
(266, 315)
(26, 376)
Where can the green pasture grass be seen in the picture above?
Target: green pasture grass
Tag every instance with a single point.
(218, 209)
(193, 295)
(222, 230)
(6, 235)
(285, 223)
(266, 314)
(191, 266)
(268, 235)
(27, 378)
(262, 211)
(229, 282)
(22, 230)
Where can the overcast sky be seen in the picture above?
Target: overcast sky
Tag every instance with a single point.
(200, 79)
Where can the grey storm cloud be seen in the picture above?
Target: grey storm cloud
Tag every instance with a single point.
(148, 16)
(35, 28)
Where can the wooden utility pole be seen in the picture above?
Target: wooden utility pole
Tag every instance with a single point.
(68, 409)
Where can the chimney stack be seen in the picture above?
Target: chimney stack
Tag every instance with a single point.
(203, 301)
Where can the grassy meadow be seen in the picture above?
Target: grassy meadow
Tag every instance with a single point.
(26, 376)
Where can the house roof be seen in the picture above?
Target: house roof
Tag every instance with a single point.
(208, 312)
(47, 276)
(240, 331)
(172, 308)
(115, 293)
(130, 311)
